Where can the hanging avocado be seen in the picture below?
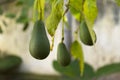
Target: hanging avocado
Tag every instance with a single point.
(85, 35)
(63, 56)
(39, 44)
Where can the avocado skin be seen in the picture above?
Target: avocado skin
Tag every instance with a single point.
(85, 34)
(39, 46)
(63, 56)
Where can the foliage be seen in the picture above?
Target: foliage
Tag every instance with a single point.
(54, 17)
(76, 51)
(75, 8)
(81, 10)
(9, 63)
(117, 2)
(72, 71)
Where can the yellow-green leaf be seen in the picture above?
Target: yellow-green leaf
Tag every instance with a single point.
(90, 12)
(55, 16)
(76, 51)
(75, 8)
(117, 2)
(38, 12)
(41, 7)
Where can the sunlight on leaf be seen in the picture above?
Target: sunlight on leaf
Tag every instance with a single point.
(55, 16)
(38, 10)
(41, 5)
(76, 51)
(90, 12)
(117, 2)
(75, 8)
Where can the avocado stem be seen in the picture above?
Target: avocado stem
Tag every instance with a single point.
(39, 9)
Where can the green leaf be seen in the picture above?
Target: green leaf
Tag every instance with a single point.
(10, 15)
(41, 5)
(76, 51)
(1, 31)
(117, 2)
(108, 69)
(89, 72)
(9, 63)
(90, 12)
(1, 10)
(23, 18)
(20, 2)
(54, 17)
(27, 3)
(5, 23)
(38, 13)
(72, 71)
(26, 25)
(75, 8)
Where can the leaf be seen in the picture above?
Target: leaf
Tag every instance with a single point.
(26, 25)
(117, 2)
(38, 12)
(23, 18)
(108, 69)
(72, 71)
(1, 10)
(89, 72)
(4, 23)
(41, 5)
(20, 2)
(1, 31)
(10, 15)
(27, 3)
(76, 51)
(75, 8)
(90, 12)
(9, 63)
(54, 17)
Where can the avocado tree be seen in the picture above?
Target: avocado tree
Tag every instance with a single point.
(82, 11)
(85, 13)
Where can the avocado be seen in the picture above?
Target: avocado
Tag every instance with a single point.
(63, 56)
(39, 46)
(85, 35)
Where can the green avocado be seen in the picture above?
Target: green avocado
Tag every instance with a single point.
(85, 35)
(9, 63)
(39, 46)
(63, 56)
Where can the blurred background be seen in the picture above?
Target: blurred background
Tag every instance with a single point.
(15, 31)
